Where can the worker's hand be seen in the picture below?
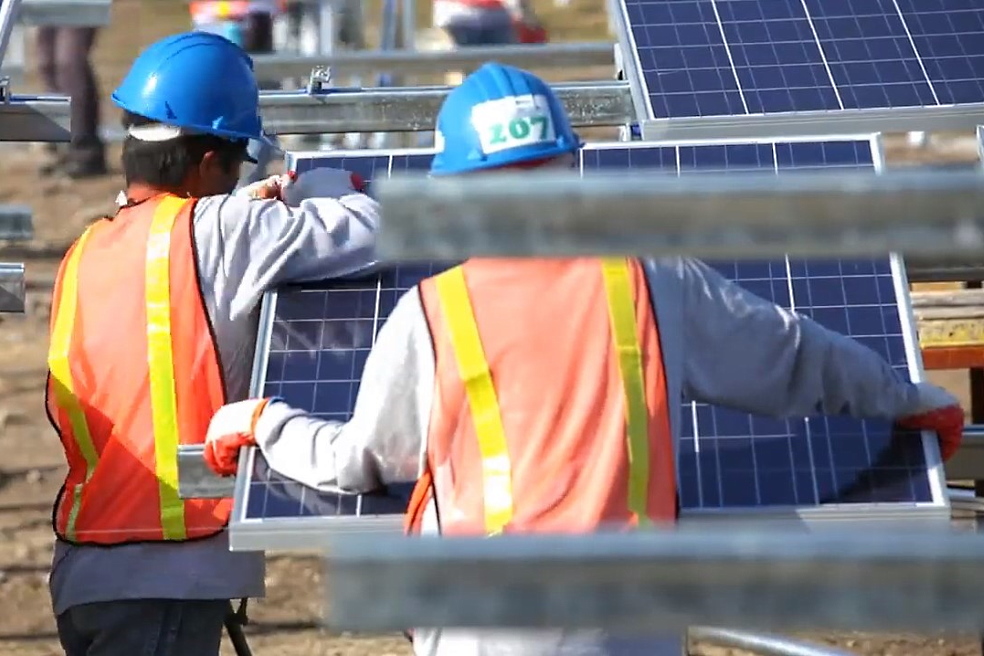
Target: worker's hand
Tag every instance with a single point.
(270, 189)
(938, 411)
(230, 430)
(323, 183)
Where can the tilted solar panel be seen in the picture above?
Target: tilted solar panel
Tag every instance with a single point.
(714, 58)
(730, 463)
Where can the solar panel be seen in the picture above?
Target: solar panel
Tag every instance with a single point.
(710, 58)
(315, 338)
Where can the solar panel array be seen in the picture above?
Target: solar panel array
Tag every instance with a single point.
(316, 338)
(721, 58)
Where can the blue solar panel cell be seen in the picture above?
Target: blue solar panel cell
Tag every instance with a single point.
(949, 37)
(727, 460)
(711, 58)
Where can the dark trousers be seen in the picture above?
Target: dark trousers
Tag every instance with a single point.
(143, 627)
(65, 68)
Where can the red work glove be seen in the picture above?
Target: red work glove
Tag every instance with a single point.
(940, 412)
(230, 430)
(322, 183)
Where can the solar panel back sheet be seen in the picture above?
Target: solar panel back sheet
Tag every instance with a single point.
(314, 339)
(693, 58)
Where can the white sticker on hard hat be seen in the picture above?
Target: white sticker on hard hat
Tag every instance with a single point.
(512, 122)
(438, 141)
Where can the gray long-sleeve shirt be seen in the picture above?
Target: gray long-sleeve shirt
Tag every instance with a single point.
(244, 248)
(721, 344)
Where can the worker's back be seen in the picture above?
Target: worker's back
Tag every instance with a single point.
(573, 354)
(546, 330)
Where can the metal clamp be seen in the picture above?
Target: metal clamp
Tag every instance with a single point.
(319, 80)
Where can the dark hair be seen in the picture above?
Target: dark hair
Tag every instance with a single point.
(166, 164)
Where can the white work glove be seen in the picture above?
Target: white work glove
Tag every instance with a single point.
(270, 189)
(939, 411)
(230, 429)
(322, 183)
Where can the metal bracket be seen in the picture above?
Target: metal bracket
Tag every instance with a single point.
(65, 13)
(16, 223)
(319, 80)
(196, 480)
(5, 89)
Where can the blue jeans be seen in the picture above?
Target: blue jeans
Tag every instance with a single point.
(143, 627)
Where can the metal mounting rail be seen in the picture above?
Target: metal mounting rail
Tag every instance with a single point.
(65, 13)
(35, 118)
(414, 62)
(734, 216)
(662, 581)
(967, 464)
(12, 292)
(816, 123)
(413, 109)
(921, 269)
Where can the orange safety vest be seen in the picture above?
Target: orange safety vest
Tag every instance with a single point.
(550, 409)
(204, 11)
(133, 373)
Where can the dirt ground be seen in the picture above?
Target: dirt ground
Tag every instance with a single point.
(287, 622)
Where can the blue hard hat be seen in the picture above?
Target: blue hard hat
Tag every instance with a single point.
(196, 81)
(498, 116)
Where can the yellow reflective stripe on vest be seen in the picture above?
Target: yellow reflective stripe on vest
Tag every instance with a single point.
(621, 312)
(160, 360)
(61, 374)
(482, 398)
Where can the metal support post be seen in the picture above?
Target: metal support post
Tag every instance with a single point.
(34, 118)
(413, 109)
(663, 581)
(748, 215)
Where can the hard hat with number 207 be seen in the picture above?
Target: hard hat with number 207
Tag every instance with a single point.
(500, 116)
(197, 81)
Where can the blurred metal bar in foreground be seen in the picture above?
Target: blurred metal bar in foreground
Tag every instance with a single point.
(663, 581)
(65, 13)
(11, 287)
(196, 480)
(735, 216)
(34, 118)
(409, 109)
(760, 643)
(415, 62)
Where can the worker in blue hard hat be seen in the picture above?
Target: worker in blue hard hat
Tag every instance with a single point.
(153, 326)
(543, 394)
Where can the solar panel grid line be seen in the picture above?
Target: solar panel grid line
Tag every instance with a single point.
(724, 472)
(703, 58)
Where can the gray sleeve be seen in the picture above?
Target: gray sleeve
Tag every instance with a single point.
(747, 353)
(384, 441)
(257, 245)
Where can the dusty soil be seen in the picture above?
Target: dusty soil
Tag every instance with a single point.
(287, 622)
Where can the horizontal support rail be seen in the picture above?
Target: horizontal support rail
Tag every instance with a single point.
(663, 581)
(65, 13)
(411, 62)
(967, 464)
(963, 117)
(413, 109)
(967, 269)
(747, 215)
(11, 287)
(16, 222)
(35, 118)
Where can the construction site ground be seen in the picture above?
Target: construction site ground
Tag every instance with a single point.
(287, 622)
